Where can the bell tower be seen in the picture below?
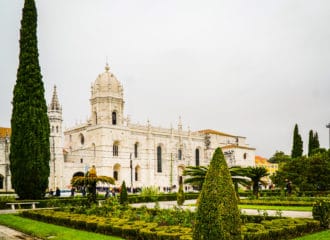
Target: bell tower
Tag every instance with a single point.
(107, 100)
(56, 159)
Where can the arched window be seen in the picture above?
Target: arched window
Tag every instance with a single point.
(115, 175)
(159, 159)
(137, 173)
(114, 118)
(197, 157)
(1, 181)
(115, 149)
(82, 139)
(116, 171)
(180, 154)
(244, 156)
(81, 160)
(136, 150)
(95, 117)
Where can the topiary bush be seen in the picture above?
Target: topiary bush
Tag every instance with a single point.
(123, 199)
(217, 215)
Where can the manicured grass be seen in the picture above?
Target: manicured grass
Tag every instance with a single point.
(324, 235)
(282, 208)
(49, 231)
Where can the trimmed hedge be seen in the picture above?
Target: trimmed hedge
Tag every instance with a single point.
(272, 229)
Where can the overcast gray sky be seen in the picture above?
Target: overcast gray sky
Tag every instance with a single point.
(250, 68)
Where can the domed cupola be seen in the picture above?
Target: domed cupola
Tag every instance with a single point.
(107, 99)
(107, 84)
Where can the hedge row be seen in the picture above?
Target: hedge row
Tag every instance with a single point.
(281, 228)
(276, 202)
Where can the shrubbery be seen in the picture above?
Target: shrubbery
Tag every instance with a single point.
(321, 212)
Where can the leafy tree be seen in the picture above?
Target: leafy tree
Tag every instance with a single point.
(306, 173)
(89, 181)
(123, 199)
(217, 214)
(297, 147)
(29, 149)
(256, 174)
(279, 157)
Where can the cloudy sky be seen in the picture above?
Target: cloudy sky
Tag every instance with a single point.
(250, 68)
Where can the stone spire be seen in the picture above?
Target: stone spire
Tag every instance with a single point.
(55, 105)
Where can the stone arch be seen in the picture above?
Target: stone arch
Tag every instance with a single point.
(78, 174)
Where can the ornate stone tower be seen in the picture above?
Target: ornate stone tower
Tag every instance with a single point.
(56, 159)
(107, 100)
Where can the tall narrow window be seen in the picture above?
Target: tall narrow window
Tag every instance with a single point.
(1, 181)
(180, 154)
(136, 150)
(114, 118)
(197, 157)
(159, 159)
(115, 149)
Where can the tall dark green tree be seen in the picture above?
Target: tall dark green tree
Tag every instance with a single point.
(313, 142)
(217, 216)
(297, 147)
(310, 142)
(29, 150)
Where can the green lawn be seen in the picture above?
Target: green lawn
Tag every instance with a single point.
(282, 208)
(49, 231)
(325, 235)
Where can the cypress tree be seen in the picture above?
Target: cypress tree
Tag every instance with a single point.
(310, 142)
(297, 147)
(217, 216)
(316, 143)
(29, 149)
(123, 198)
(313, 142)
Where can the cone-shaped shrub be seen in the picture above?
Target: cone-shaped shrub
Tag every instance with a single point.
(123, 194)
(217, 215)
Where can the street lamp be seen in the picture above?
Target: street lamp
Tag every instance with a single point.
(131, 166)
(328, 126)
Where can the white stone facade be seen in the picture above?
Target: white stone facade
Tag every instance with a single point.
(142, 155)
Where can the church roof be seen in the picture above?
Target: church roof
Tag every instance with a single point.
(210, 131)
(5, 132)
(237, 146)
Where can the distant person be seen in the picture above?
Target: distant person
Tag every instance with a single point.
(58, 192)
(72, 191)
(106, 193)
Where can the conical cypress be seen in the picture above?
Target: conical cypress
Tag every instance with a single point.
(217, 216)
(297, 146)
(29, 149)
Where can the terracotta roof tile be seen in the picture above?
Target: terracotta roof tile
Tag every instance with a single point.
(5, 132)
